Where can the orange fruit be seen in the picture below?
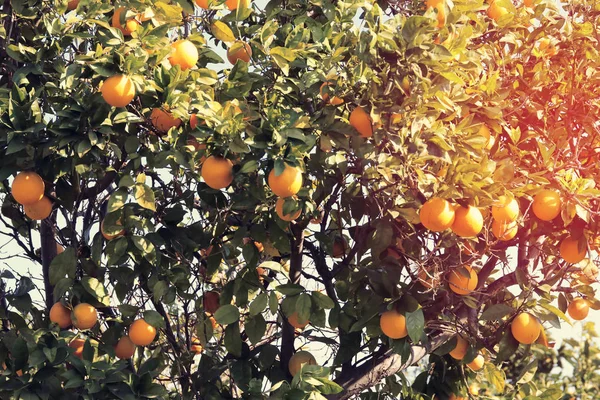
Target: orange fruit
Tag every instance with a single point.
(578, 309)
(362, 122)
(194, 121)
(496, 11)
(59, 248)
(77, 344)
(528, 3)
(570, 250)
(211, 302)
(285, 217)
(293, 320)
(239, 51)
(124, 348)
(196, 346)
(39, 210)
(468, 221)
(546, 205)
(27, 188)
(131, 25)
(437, 214)
(340, 247)
(477, 363)
(506, 210)
(393, 324)
(288, 183)
(85, 315)
(474, 389)
(185, 54)
(217, 172)
(202, 4)
(334, 101)
(60, 315)
(109, 236)
(525, 328)
(261, 272)
(118, 90)
(142, 333)
(259, 246)
(504, 231)
(298, 359)
(163, 120)
(71, 5)
(461, 284)
(460, 350)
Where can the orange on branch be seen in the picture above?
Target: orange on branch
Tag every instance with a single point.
(546, 205)
(468, 221)
(85, 316)
(437, 214)
(285, 217)
(460, 350)
(496, 11)
(362, 122)
(239, 51)
(185, 54)
(295, 322)
(393, 324)
(477, 363)
(461, 284)
(196, 346)
(504, 231)
(60, 315)
(39, 210)
(217, 172)
(141, 333)
(525, 328)
(163, 120)
(131, 25)
(118, 90)
(578, 309)
(77, 345)
(288, 183)
(334, 101)
(124, 348)
(298, 359)
(27, 188)
(71, 5)
(573, 250)
(506, 209)
(202, 4)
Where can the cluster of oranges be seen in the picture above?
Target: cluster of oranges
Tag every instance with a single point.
(28, 190)
(84, 316)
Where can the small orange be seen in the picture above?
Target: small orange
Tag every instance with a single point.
(85, 315)
(77, 344)
(546, 205)
(474, 389)
(362, 122)
(141, 333)
(71, 5)
(504, 231)
(578, 309)
(460, 350)
(293, 320)
(298, 359)
(570, 249)
(118, 90)
(285, 217)
(288, 183)
(39, 210)
(437, 214)
(131, 25)
(468, 221)
(202, 4)
(525, 328)
(60, 315)
(217, 172)
(185, 54)
(477, 363)
(393, 324)
(194, 122)
(196, 346)
(125, 348)
(239, 51)
(163, 120)
(59, 248)
(506, 210)
(460, 284)
(334, 101)
(340, 247)
(27, 188)
(495, 11)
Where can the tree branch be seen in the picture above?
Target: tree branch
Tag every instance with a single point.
(48, 244)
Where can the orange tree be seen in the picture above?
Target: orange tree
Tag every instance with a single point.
(373, 182)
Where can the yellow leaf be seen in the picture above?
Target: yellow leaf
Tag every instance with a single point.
(221, 31)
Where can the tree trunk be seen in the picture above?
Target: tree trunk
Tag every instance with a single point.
(48, 243)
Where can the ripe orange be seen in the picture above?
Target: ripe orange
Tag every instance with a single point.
(477, 363)
(334, 101)
(288, 183)
(118, 90)
(259, 246)
(239, 51)
(474, 389)
(570, 250)
(109, 236)
(285, 217)
(393, 324)
(71, 5)
(163, 120)
(340, 247)
(211, 302)
(468, 221)
(60, 315)
(217, 172)
(506, 210)
(504, 231)
(85, 315)
(185, 54)
(125, 348)
(142, 333)
(528, 3)
(261, 272)
(460, 350)
(27, 188)
(362, 122)
(194, 122)
(293, 320)
(77, 344)
(131, 25)
(202, 4)
(39, 210)
(546, 205)
(460, 284)
(437, 214)
(578, 309)
(495, 11)
(59, 248)
(298, 359)
(525, 328)
(196, 346)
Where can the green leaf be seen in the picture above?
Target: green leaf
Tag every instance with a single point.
(290, 289)
(63, 265)
(227, 314)
(96, 288)
(255, 328)
(117, 200)
(258, 304)
(146, 247)
(496, 312)
(322, 301)
(144, 196)
(221, 31)
(154, 318)
(555, 311)
(415, 324)
(20, 353)
(494, 376)
(233, 340)
(303, 307)
(273, 303)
